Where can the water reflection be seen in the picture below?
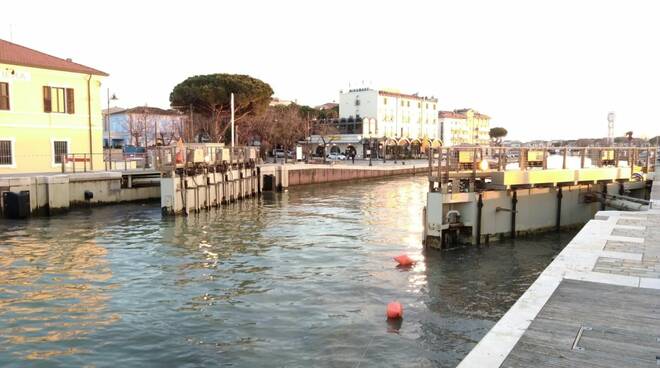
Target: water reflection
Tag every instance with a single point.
(292, 279)
(53, 290)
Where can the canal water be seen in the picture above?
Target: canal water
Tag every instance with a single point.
(297, 279)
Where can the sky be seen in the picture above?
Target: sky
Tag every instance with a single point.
(541, 69)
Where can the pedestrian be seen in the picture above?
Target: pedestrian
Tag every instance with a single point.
(353, 157)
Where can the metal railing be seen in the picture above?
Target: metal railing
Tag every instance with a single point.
(77, 162)
(445, 160)
(82, 162)
(168, 158)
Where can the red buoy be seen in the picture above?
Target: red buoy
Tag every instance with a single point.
(394, 310)
(404, 260)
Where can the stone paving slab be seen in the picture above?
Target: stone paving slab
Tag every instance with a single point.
(628, 267)
(624, 247)
(633, 233)
(631, 221)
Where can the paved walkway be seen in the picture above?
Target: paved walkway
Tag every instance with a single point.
(595, 305)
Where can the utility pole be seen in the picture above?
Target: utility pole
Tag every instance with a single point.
(190, 131)
(232, 120)
(107, 118)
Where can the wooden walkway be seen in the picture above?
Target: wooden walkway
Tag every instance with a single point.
(587, 324)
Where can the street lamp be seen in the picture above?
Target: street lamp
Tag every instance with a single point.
(113, 98)
(371, 148)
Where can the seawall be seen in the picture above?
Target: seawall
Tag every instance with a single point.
(285, 176)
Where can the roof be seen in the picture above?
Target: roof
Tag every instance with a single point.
(113, 110)
(11, 53)
(142, 110)
(460, 114)
(451, 115)
(414, 97)
(326, 106)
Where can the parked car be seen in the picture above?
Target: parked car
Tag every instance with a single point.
(336, 156)
(279, 153)
(129, 150)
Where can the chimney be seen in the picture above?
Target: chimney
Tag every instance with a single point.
(69, 60)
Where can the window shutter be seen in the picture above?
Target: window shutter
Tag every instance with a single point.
(47, 103)
(70, 104)
(4, 96)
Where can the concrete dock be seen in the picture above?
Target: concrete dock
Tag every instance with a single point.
(595, 305)
(302, 174)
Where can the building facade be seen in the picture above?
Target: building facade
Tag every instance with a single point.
(388, 118)
(50, 108)
(143, 126)
(397, 115)
(464, 127)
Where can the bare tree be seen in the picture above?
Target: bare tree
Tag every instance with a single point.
(290, 127)
(134, 126)
(278, 125)
(326, 132)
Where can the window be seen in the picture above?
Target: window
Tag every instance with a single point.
(60, 149)
(6, 153)
(401, 103)
(408, 103)
(4, 96)
(433, 106)
(357, 100)
(419, 104)
(384, 100)
(58, 99)
(427, 106)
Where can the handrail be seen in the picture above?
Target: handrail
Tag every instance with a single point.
(169, 158)
(474, 159)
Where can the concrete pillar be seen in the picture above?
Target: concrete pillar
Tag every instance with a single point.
(58, 194)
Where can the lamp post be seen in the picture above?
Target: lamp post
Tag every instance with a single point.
(371, 148)
(107, 115)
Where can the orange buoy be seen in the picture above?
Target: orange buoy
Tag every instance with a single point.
(404, 260)
(394, 310)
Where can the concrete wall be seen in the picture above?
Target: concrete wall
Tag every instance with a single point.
(57, 193)
(316, 175)
(536, 209)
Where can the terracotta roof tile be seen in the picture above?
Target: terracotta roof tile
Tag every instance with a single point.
(403, 95)
(11, 53)
(451, 115)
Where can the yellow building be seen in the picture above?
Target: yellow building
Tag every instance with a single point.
(50, 112)
(464, 127)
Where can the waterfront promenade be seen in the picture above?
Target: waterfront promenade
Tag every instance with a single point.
(595, 305)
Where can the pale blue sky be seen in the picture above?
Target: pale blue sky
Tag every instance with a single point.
(542, 69)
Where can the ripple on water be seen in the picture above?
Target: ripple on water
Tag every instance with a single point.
(295, 279)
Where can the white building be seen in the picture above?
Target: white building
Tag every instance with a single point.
(464, 127)
(387, 122)
(397, 115)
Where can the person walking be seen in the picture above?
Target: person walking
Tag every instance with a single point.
(353, 157)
